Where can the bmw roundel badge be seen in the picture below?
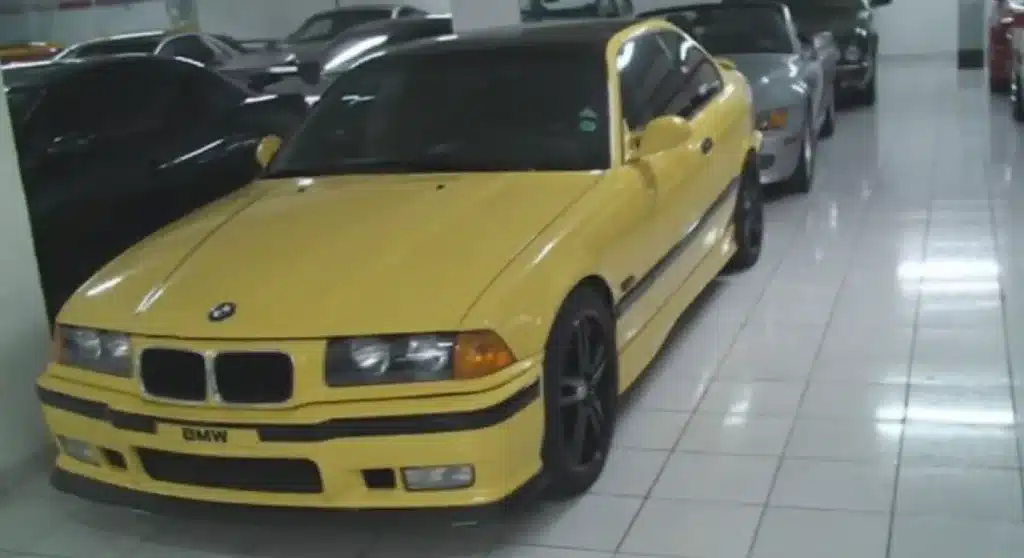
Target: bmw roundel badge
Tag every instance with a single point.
(222, 311)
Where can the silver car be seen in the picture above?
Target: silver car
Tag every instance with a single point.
(791, 76)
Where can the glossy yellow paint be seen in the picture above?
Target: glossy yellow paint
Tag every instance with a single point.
(310, 259)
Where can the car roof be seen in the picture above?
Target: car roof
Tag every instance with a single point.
(584, 33)
(33, 74)
(724, 4)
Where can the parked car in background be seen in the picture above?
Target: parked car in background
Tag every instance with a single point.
(28, 52)
(852, 24)
(203, 48)
(113, 148)
(361, 41)
(792, 82)
(306, 45)
(1004, 17)
(540, 10)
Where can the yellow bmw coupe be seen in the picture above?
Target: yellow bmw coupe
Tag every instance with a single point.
(437, 292)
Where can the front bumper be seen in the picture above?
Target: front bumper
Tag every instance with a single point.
(278, 459)
(779, 156)
(853, 76)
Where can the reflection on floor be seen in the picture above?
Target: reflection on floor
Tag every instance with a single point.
(851, 397)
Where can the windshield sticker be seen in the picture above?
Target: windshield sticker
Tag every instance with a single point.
(588, 120)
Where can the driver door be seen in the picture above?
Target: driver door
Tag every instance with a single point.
(652, 85)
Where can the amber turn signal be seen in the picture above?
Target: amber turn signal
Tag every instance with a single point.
(480, 353)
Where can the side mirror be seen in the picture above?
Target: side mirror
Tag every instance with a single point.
(266, 150)
(662, 133)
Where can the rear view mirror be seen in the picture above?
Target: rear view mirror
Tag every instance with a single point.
(661, 134)
(266, 150)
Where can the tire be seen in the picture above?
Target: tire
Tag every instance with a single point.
(802, 178)
(579, 396)
(748, 220)
(866, 96)
(828, 128)
(1018, 101)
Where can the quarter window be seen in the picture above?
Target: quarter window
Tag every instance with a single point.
(651, 85)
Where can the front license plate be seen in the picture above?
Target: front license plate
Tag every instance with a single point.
(209, 435)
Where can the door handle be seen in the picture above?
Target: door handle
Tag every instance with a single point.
(707, 145)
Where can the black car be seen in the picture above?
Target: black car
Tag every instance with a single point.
(112, 149)
(305, 46)
(360, 41)
(543, 10)
(208, 50)
(852, 24)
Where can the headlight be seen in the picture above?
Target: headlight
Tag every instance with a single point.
(772, 119)
(98, 351)
(394, 359)
(852, 53)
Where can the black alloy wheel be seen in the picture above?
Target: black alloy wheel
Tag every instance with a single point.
(828, 128)
(802, 178)
(748, 220)
(580, 394)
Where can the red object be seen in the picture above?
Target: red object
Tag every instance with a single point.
(1006, 15)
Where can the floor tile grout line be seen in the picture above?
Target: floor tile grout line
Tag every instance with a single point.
(913, 350)
(720, 359)
(997, 242)
(807, 384)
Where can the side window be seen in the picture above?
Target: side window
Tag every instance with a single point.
(701, 78)
(651, 85)
(122, 99)
(200, 94)
(190, 47)
(409, 11)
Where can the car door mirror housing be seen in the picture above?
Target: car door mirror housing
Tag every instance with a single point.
(266, 150)
(661, 134)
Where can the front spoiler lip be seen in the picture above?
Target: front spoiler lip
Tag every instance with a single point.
(105, 493)
(308, 433)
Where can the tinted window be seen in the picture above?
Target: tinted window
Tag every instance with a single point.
(651, 83)
(191, 47)
(507, 109)
(534, 10)
(137, 45)
(121, 99)
(811, 8)
(201, 94)
(737, 30)
(351, 48)
(324, 27)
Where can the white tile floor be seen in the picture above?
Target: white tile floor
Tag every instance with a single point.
(851, 397)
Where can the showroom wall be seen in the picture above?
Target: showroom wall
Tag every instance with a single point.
(24, 333)
(908, 27)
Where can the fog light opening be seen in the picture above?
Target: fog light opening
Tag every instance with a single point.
(78, 450)
(441, 477)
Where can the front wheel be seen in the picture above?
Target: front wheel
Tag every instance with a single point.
(803, 175)
(747, 221)
(868, 94)
(581, 368)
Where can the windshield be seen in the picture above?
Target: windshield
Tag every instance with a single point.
(324, 27)
(136, 45)
(736, 30)
(511, 109)
(345, 52)
(823, 7)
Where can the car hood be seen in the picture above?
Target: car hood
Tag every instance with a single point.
(770, 76)
(338, 256)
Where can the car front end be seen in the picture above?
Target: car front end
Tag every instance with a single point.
(856, 66)
(203, 365)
